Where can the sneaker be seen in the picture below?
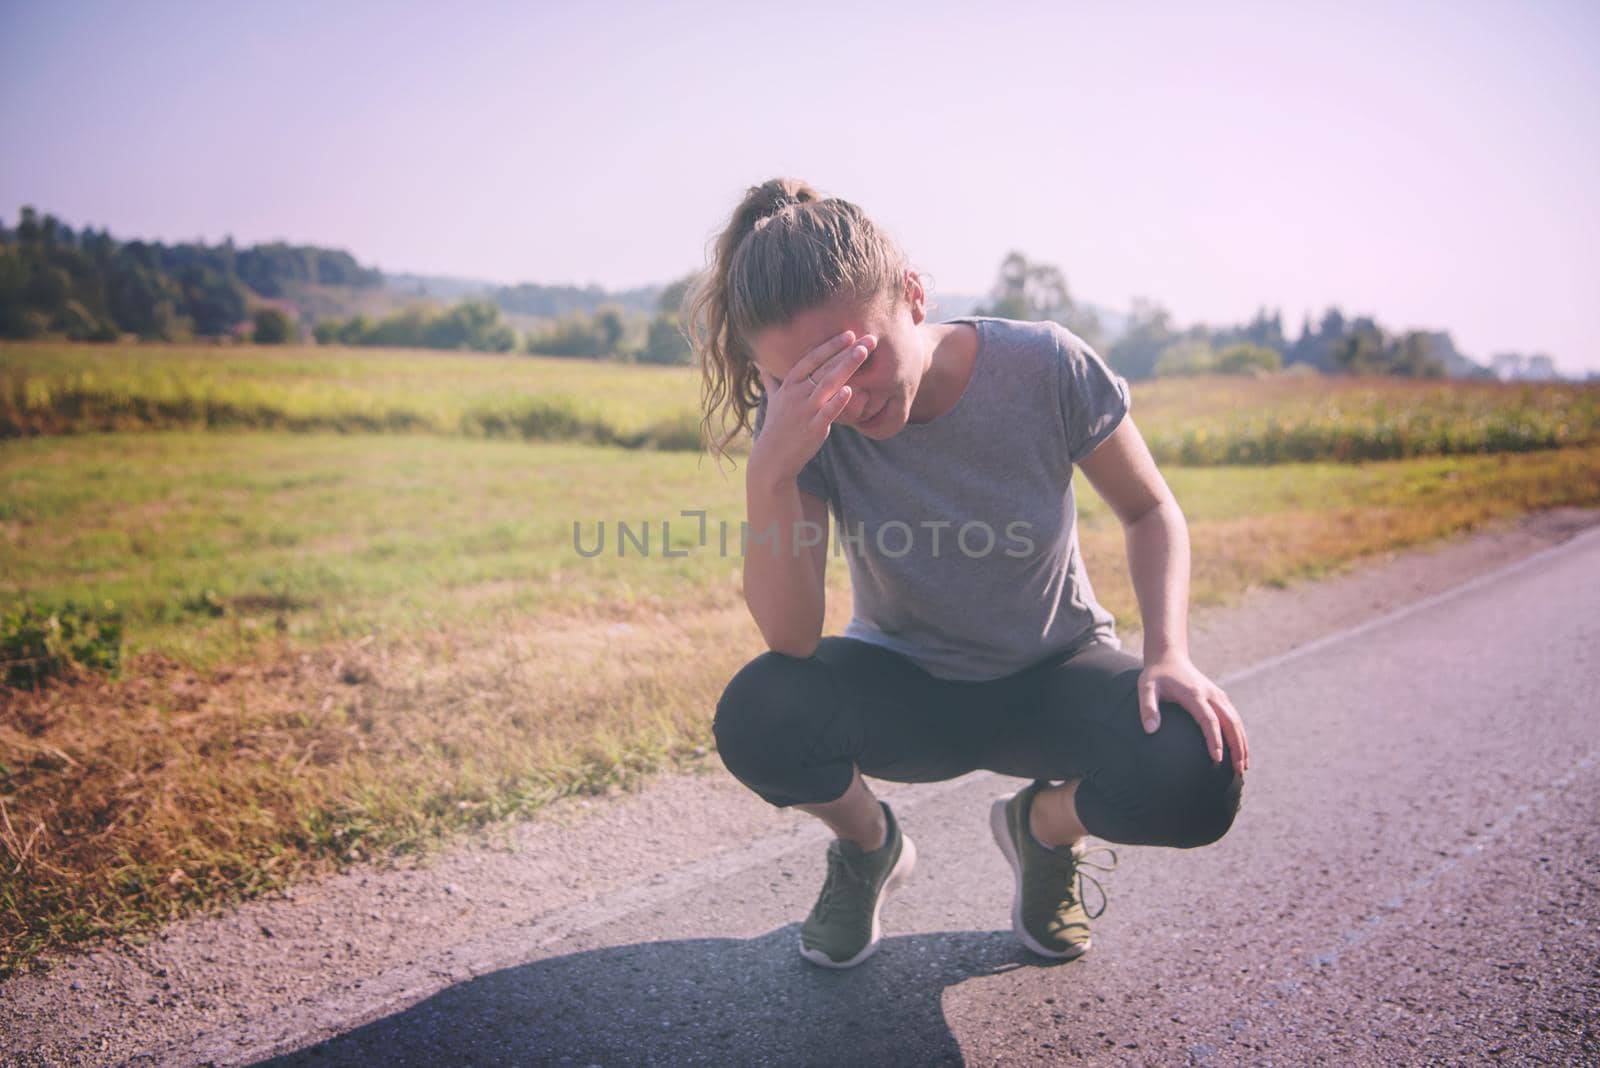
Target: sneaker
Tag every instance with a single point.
(842, 930)
(1047, 911)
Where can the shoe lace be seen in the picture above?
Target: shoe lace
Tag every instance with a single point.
(1049, 879)
(1105, 867)
(844, 882)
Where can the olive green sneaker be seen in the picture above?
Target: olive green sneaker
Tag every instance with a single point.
(842, 930)
(1047, 911)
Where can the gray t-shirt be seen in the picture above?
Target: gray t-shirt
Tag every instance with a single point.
(961, 533)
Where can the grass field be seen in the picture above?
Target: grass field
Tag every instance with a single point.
(58, 388)
(339, 645)
(51, 389)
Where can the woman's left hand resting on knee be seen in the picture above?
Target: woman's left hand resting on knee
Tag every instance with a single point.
(1123, 472)
(1175, 678)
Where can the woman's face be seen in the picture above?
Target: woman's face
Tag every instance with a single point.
(885, 385)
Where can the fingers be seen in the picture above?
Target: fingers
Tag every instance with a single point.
(1210, 708)
(821, 355)
(1233, 727)
(1149, 706)
(1209, 727)
(831, 408)
(835, 367)
(837, 371)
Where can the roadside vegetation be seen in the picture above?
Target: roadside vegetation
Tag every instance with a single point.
(302, 642)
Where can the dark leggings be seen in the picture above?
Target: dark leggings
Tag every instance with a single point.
(794, 731)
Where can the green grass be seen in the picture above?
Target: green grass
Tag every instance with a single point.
(209, 542)
(345, 535)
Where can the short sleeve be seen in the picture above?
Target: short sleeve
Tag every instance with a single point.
(1094, 398)
(813, 478)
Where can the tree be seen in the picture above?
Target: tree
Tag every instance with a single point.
(1037, 292)
(1028, 291)
(610, 326)
(273, 327)
(1417, 354)
(665, 343)
(1361, 351)
(671, 300)
(575, 334)
(1148, 334)
(1264, 330)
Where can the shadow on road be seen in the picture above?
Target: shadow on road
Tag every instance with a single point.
(711, 1001)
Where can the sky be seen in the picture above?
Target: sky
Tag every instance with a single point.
(1433, 165)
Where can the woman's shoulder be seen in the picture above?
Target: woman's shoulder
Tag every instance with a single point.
(1022, 341)
(1038, 330)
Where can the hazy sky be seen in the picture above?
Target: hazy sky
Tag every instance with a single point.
(1435, 165)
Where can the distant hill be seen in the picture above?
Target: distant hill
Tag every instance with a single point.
(527, 301)
(437, 287)
(549, 302)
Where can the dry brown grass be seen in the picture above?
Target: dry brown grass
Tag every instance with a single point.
(133, 802)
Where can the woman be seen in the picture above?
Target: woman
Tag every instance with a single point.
(945, 453)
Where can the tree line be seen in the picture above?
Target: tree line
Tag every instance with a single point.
(611, 331)
(88, 286)
(1151, 345)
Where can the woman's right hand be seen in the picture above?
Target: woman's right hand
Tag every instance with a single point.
(801, 409)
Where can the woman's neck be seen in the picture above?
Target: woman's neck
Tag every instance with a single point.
(954, 350)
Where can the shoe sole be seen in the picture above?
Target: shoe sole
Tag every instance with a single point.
(897, 877)
(1002, 838)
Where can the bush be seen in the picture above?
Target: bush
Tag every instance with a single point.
(574, 334)
(37, 644)
(471, 325)
(1187, 357)
(1245, 359)
(273, 327)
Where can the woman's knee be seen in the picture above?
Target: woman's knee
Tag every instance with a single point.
(1198, 798)
(762, 717)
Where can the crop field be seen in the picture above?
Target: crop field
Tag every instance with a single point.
(50, 389)
(343, 641)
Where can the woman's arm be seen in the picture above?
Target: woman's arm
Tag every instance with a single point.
(785, 564)
(1122, 470)
(786, 558)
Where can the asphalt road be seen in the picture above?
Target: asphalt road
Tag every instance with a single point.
(1414, 877)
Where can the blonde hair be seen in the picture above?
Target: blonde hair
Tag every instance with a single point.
(786, 249)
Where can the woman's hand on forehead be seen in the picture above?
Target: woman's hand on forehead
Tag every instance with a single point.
(832, 355)
(801, 409)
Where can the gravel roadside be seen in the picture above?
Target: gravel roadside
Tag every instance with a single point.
(352, 935)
